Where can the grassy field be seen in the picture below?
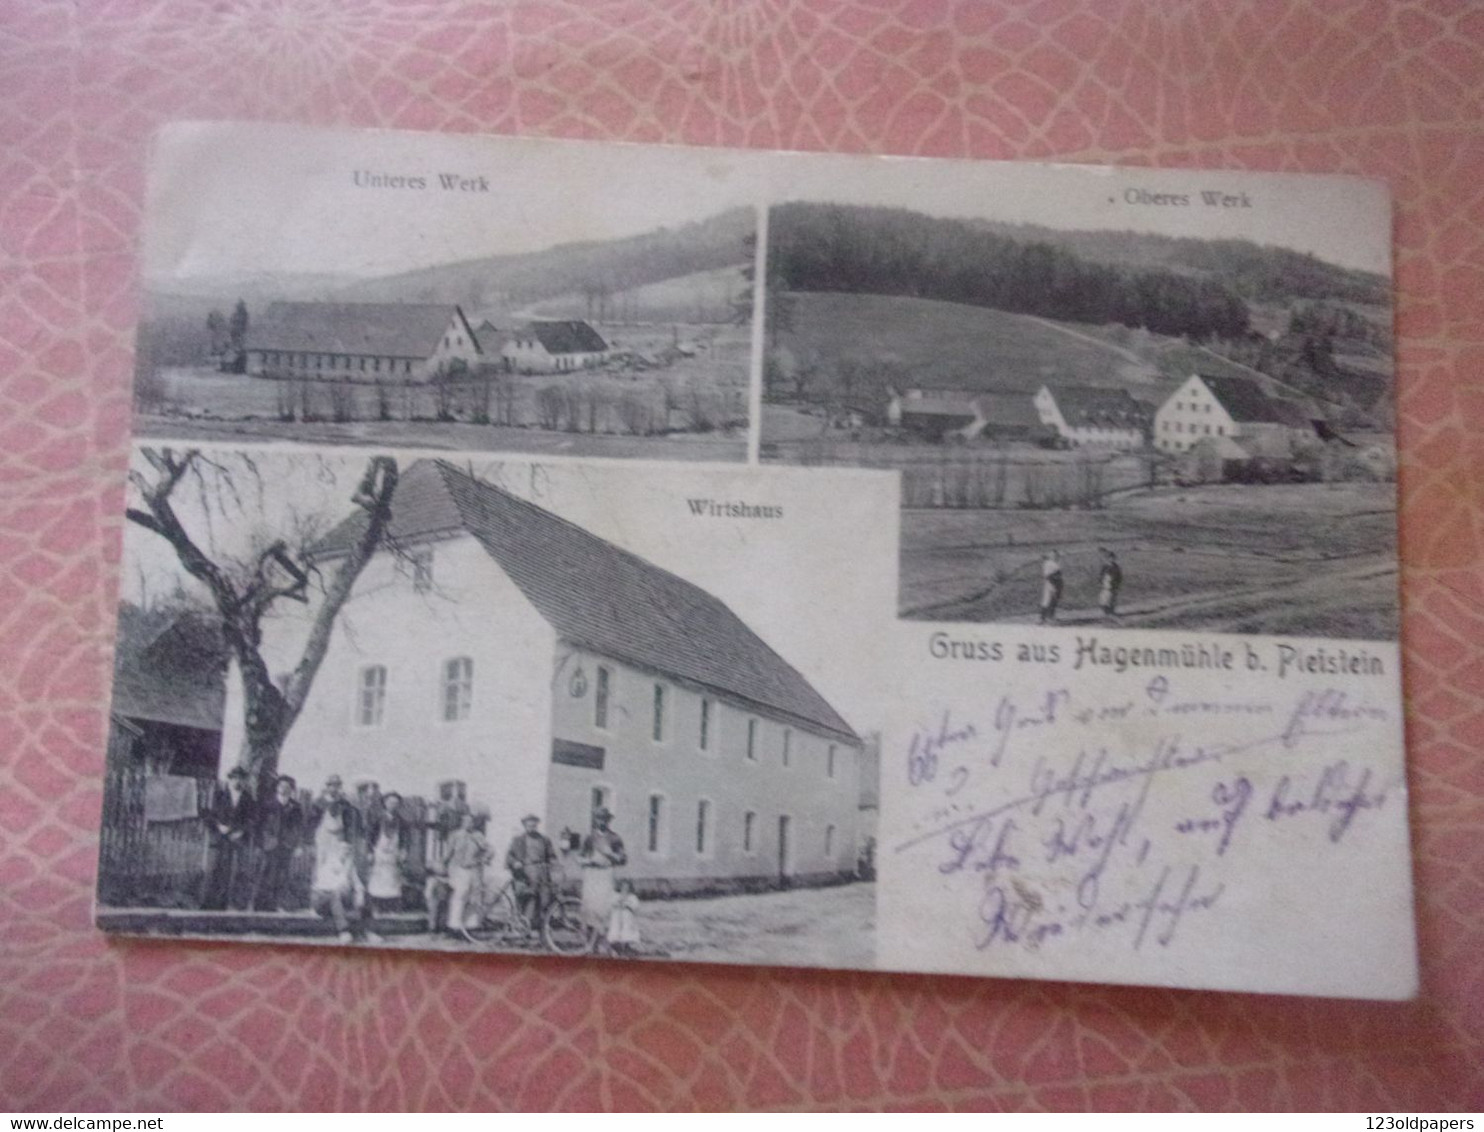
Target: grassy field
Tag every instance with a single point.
(1314, 559)
(949, 344)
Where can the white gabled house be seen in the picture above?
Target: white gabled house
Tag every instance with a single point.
(1229, 409)
(553, 347)
(360, 341)
(509, 656)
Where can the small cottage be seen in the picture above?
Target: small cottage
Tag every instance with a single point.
(554, 347)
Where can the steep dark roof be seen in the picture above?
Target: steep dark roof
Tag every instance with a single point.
(1002, 409)
(1088, 406)
(598, 596)
(571, 337)
(490, 337)
(397, 330)
(1009, 409)
(1244, 400)
(938, 407)
(169, 667)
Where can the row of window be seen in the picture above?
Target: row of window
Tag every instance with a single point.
(1195, 429)
(706, 726)
(456, 692)
(1194, 407)
(657, 831)
(337, 361)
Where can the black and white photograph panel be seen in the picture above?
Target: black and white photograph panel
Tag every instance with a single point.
(1143, 398)
(479, 704)
(373, 287)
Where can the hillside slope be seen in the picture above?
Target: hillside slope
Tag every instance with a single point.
(605, 267)
(931, 343)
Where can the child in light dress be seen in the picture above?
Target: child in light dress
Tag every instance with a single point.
(623, 921)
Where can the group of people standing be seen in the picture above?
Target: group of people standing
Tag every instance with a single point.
(1110, 581)
(254, 844)
(454, 888)
(361, 862)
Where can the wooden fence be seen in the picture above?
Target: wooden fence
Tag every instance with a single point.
(994, 479)
(155, 863)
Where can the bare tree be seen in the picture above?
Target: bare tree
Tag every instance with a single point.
(342, 402)
(634, 414)
(244, 593)
(550, 404)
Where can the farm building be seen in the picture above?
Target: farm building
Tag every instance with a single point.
(491, 339)
(1086, 416)
(1230, 407)
(964, 414)
(554, 347)
(505, 655)
(168, 688)
(360, 341)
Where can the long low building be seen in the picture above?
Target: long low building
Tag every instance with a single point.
(1086, 416)
(360, 341)
(496, 652)
(965, 414)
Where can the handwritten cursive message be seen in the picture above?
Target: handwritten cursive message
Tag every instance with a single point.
(1059, 814)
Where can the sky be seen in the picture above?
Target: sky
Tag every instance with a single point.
(255, 198)
(260, 198)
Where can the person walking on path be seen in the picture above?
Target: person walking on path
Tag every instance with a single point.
(1051, 586)
(1110, 581)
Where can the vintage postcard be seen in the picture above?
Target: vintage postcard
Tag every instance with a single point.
(751, 557)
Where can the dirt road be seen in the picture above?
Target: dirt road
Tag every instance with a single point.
(833, 927)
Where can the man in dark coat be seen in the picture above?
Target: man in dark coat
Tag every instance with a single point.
(280, 835)
(229, 828)
(530, 860)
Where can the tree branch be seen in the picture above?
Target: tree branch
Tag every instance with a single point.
(374, 497)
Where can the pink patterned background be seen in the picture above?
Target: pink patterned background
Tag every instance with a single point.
(1394, 90)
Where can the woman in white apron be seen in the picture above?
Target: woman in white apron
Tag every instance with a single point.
(388, 851)
(602, 852)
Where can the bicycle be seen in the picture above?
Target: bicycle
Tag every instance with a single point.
(563, 929)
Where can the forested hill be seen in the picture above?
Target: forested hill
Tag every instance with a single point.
(596, 267)
(1258, 272)
(889, 251)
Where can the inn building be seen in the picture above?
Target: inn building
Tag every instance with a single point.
(497, 652)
